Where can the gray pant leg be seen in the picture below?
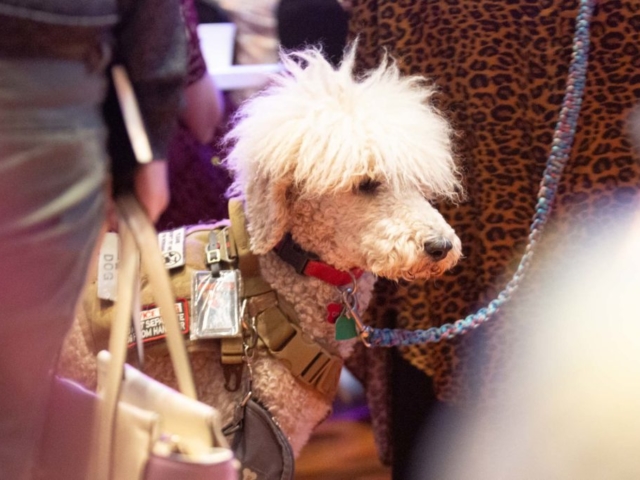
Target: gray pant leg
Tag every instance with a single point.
(52, 196)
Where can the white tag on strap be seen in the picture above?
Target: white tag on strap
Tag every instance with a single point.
(108, 267)
(172, 246)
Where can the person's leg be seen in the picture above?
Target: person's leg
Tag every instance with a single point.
(52, 183)
(422, 426)
(413, 400)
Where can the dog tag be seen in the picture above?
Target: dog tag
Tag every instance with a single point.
(333, 312)
(215, 305)
(345, 328)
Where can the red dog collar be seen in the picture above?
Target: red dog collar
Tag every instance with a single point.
(306, 263)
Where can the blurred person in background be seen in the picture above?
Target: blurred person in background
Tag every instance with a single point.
(54, 175)
(568, 403)
(256, 40)
(196, 184)
(256, 37)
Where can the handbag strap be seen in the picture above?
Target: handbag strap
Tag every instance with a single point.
(146, 240)
(139, 242)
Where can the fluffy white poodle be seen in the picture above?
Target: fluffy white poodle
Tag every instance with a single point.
(348, 166)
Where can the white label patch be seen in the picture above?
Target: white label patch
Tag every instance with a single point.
(172, 246)
(152, 326)
(108, 267)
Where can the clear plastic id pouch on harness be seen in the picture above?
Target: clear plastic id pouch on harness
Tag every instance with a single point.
(215, 303)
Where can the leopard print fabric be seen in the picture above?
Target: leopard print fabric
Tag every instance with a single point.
(501, 68)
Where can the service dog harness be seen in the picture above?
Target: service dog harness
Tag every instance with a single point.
(266, 318)
(274, 319)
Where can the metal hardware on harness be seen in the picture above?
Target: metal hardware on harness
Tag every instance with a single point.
(232, 362)
(308, 361)
(232, 356)
(213, 256)
(350, 302)
(249, 342)
(220, 247)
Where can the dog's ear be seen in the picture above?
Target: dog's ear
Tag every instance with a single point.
(267, 213)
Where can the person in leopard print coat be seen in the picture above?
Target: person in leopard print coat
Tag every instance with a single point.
(501, 69)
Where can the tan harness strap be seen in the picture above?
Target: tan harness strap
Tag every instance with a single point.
(306, 359)
(231, 350)
(232, 361)
(253, 283)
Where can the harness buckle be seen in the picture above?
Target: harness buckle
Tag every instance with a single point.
(220, 248)
(213, 255)
(293, 254)
(232, 376)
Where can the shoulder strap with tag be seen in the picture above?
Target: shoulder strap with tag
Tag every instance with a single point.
(252, 284)
(248, 263)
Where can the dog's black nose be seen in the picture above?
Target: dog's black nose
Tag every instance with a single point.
(438, 250)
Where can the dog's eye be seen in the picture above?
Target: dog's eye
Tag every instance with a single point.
(368, 186)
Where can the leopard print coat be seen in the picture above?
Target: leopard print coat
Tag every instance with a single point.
(501, 68)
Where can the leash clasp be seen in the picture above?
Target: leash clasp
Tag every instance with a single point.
(350, 301)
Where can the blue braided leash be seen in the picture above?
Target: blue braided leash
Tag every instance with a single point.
(560, 151)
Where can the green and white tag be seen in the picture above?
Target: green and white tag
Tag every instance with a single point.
(345, 328)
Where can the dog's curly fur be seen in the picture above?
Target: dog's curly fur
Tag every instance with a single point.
(348, 166)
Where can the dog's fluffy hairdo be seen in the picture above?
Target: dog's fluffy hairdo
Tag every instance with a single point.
(322, 130)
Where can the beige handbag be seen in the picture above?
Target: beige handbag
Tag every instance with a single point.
(142, 429)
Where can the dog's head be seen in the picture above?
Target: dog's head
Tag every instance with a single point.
(349, 166)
